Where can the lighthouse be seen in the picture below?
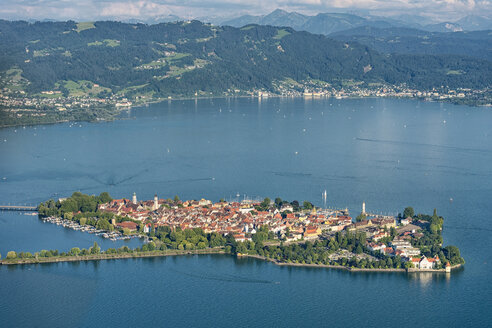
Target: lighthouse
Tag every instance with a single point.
(363, 208)
(134, 199)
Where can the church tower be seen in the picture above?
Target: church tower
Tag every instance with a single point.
(134, 199)
(156, 203)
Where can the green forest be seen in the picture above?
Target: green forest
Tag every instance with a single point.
(180, 59)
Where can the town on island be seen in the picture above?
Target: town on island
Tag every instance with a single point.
(285, 233)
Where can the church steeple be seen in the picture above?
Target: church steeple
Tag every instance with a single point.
(156, 203)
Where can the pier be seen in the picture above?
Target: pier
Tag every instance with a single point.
(21, 208)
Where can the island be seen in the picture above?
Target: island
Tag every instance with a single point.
(285, 233)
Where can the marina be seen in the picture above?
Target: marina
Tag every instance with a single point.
(111, 235)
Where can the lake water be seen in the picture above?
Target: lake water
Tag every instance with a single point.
(389, 153)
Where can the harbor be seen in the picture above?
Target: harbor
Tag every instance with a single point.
(111, 235)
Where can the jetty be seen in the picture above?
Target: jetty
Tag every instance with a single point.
(22, 208)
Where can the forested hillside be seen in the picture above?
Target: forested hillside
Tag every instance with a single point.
(412, 41)
(187, 58)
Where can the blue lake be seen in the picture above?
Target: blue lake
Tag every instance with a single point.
(389, 153)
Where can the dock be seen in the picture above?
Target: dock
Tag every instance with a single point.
(21, 208)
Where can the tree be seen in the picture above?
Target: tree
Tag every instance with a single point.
(408, 212)
(104, 197)
(392, 232)
(69, 205)
(95, 249)
(261, 235)
(103, 224)
(75, 251)
(278, 202)
(176, 199)
(11, 255)
(151, 246)
(360, 217)
(295, 205)
(452, 253)
(241, 248)
(307, 205)
(68, 216)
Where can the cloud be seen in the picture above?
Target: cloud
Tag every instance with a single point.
(143, 9)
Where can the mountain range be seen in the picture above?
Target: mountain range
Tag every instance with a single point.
(327, 23)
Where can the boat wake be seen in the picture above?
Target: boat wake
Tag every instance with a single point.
(226, 278)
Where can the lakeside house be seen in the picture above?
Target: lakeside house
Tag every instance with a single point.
(132, 226)
(425, 263)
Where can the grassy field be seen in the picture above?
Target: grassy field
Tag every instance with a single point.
(132, 88)
(13, 79)
(84, 26)
(82, 88)
(280, 34)
(164, 61)
(204, 39)
(105, 42)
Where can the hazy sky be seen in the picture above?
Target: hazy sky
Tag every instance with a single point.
(81, 10)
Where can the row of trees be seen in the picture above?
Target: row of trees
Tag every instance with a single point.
(266, 204)
(319, 252)
(189, 238)
(95, 249)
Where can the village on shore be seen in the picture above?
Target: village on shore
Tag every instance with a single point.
(51, 106)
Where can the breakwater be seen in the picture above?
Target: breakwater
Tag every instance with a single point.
(97, 257)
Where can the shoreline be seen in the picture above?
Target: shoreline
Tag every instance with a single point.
(119, 111)
(351, 269)
(210, 251)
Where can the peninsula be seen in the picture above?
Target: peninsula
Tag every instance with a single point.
(286, 233)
